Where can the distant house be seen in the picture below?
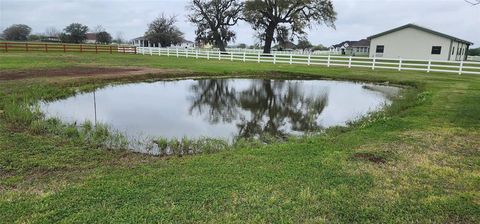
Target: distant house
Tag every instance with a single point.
(353, 48)
(91, 38)
(144, 42)
(285, 46)
(361, 47)
(203, 45)
(54, 39)
(415, 42)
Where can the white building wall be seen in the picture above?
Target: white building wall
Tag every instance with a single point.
(411, 43)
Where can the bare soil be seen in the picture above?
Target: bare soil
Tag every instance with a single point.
(370, 157)
(75, 72)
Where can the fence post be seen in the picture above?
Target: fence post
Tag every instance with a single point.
(274, 58)
(177, 52)
(291, 58)
(373, 63)
(350, 62)
(244, 54)
(168, 52)
(208, 55)
(159, 51)
(135, 49)
(6, 47)
(309, 59)
(96, 49)
(219, 55)
(231, 56)
(26, 47)
(400, 64)
(258, 57)
(461, 68)
(186, 53)
(196, 54)
(111, 50)
(46, 48)
(150, 50)
(81, 49)
(328, 61)
(429, 65)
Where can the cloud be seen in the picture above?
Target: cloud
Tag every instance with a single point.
(356, 18)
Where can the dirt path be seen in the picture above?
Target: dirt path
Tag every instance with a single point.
(76, 72)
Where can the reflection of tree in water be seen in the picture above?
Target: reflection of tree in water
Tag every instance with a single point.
(273, 106)
(216, 98)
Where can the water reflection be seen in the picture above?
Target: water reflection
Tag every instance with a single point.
(268, 106)
(225, 108)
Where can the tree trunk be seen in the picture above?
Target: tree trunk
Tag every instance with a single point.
(218, 41)
(269, 38)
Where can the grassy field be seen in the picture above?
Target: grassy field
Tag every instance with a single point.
(418, 161)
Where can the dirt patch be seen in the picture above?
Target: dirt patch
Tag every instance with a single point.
(75, 72)
(370, 157)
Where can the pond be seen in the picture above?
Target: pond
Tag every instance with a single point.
(223, 108)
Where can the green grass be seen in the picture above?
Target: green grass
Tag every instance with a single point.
(429, 141)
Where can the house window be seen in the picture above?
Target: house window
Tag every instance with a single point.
(380, 48)
(436, 50)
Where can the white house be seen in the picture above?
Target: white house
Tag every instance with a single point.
(415, 42)
(354, 48)
(91, 38)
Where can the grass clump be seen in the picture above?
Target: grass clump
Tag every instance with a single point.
(186, 146)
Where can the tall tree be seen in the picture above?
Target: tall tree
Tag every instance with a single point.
(267, 15)
(163, 31)
(74, 33)
(17, 32)
(214, 19)
(104, 37)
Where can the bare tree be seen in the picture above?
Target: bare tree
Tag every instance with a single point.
(52, 32)
(98, 29)
(473, 2)
(119, 38)
(213, 19)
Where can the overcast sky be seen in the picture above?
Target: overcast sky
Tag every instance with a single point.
(357, 19)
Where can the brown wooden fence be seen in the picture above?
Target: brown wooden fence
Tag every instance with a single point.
(54, 47)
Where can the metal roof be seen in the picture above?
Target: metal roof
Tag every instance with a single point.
(410, 25)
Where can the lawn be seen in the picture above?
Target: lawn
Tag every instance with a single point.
(418, 161)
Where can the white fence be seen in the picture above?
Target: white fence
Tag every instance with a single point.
(459, 67)
(474, 58)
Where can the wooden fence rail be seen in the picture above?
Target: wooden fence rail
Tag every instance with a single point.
(400, 64)
(53, 47)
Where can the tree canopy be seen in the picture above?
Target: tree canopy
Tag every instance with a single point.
(266, 16)
(214, 19)
(17, 32)
(74, 33)
(104, 37)
(162, 30)
(474, 52)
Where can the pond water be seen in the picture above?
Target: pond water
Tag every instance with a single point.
(223, 108)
